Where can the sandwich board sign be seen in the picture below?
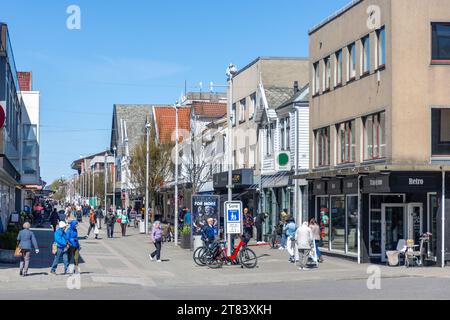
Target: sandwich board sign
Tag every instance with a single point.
(233, 217)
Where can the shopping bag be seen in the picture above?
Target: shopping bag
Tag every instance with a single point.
(54, 248)
(18, 252)
(96, 231)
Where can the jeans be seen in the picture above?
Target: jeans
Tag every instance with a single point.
(99, 223)
(283, 241)
(91, 227)
(157, 252)
(124, 229)
(110, 230)
(319, 254)
(65, 254)
(25, 260)
(259, 233)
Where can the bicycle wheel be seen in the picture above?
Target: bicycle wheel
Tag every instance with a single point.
(199, 256)
(214, 262)
(248, 258)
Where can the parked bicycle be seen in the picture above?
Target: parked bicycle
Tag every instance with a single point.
(215, 258)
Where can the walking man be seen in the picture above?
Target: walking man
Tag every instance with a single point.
(99, 217)
(110, 220)
(157, 235)
(92, 223)
(303, 238)
(54, 219)
(62, 249)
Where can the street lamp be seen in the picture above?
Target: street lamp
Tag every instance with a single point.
(106, 180)
(114, 178)
(177, 107)
(231, 72)
(147, 165)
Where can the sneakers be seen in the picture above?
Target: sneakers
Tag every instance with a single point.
(151, 258)
(21, 273)
(301, 268)
(159, 261)
(53, 272)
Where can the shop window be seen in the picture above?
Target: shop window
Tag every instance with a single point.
(433, 207)
(440, 42)
(337, 217)
(374, 136)
(440, 132)
(346, 141)
(352, 224)
(338, 69)
(323, 219)
(322, 147)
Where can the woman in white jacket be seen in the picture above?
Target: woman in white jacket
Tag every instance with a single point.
(303, 238)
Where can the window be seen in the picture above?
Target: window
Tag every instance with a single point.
(440, 132)
(322, 215)
(323, 147)
(316, 80)
(269, 139)
(351, 62)
(346, 140)
(233, 114)
(381, 48)
(352, 224)
(283, 134)
(440, 42)
(251, 111)
(338, 69)
(327, 74)
(288, 134)
(337, 221)
(374, 136)
(365, 55)
(242, 109)
(252, 157)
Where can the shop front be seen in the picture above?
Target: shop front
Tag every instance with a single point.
(364, 216)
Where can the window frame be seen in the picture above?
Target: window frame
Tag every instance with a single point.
(338, 80)
(316, 78)
(378, 137)
(322, 147)
(351, 62)
(438, 61)
(381, 48)
(365, 55)
(252, 109)
(346, 148)
(242, 110)
(444, 144)
(327, 74)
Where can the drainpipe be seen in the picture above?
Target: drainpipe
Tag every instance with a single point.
(359, 219)
(298, 210)
(443, 220)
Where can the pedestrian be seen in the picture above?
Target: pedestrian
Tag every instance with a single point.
(157, 234)
(315, 228)
(169, 232)
(208, 232)
(110, 220)
(123, 220)
(92, 223)
(99, 216)
(128, 214)
(289, 230)
(54, 219)
(303, 237)
(26, 240)
(74, 245)
(62, 249)
(280, 234)
(248, 226)
(187, 217)
(259, 220)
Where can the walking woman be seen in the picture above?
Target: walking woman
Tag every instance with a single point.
(157, 235)
(123, 220)
(74, 245)
(26, 240)
(315, 228)
(92, 223)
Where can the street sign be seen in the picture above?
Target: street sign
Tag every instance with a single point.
(233, 217)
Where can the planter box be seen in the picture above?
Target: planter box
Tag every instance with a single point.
(185, 242)
(7, 256)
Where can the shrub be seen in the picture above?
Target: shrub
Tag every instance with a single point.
(186, 231)
(8, 240)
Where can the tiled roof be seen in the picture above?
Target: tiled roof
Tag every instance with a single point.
(166, 122)
(301, 96)
(25, 83)
(209, 110)
(278, 95)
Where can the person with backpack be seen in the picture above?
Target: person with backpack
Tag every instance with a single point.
(62, 246)
(289, 230)
(74, 245)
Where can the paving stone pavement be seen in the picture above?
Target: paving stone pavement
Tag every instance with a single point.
(124, 261)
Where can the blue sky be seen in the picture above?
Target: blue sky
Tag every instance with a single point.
(139, 51)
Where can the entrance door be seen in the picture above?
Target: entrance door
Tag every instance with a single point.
(415, 221)
(393, 227)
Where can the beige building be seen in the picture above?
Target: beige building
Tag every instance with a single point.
(380, 126)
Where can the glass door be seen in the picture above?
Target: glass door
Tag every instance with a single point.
(393, 227)
(415, 222)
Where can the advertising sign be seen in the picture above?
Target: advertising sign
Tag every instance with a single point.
(233, 217)
(203, 208)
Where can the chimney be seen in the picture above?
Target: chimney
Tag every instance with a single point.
(296, 89)
(25, 81)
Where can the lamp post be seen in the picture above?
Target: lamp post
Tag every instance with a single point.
(231, 71)
(114, 178)
(177, 106)
(147, 165)
(106, 180)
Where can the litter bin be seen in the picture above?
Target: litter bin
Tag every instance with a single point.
(141, 226)
(198, 242)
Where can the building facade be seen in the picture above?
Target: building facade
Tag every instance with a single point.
(380, 126)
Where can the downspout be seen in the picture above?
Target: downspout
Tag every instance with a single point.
(359, 219)
(298, 209)
(443, 220)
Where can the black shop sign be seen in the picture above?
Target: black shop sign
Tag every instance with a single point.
(403, 182)
(334, 187)
(319, 188)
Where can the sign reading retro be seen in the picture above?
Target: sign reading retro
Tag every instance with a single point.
(233, 217)
(2, 114)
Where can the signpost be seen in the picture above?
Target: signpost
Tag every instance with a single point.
(233, 217)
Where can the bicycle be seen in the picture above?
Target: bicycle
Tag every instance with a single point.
(242, 255)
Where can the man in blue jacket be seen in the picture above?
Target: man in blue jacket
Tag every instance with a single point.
(74, 245)
(63, 246)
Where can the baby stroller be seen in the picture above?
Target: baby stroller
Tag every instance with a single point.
(313, 259)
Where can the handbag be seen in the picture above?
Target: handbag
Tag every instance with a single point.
(96, 231)
(54, 248)
(119, 220)
(18, 252)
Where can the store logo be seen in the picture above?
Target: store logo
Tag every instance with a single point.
(416, 182)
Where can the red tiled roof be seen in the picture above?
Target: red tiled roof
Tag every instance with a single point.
(25, 83)
(166, 122)
(210, 109)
